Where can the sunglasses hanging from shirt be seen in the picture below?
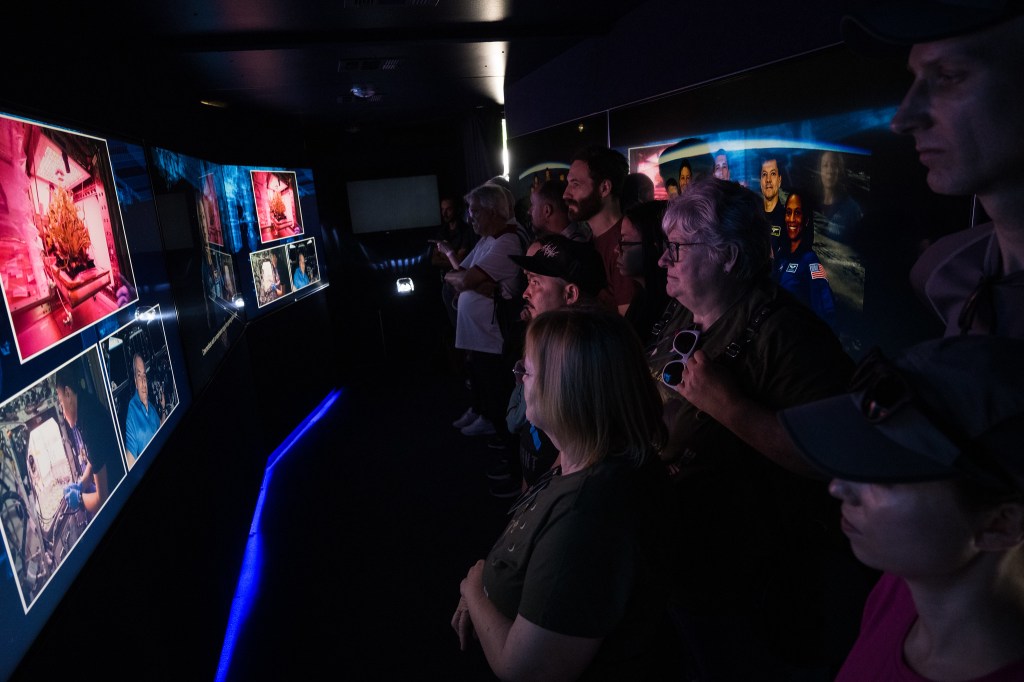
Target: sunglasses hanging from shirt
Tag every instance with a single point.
(683, 344)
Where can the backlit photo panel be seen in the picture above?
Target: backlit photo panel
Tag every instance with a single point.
(64, 262)
(140, 380)
(209, 211)
(270, 274)
(277, 204)
(219, 279)
(303, 266)
(59, 464)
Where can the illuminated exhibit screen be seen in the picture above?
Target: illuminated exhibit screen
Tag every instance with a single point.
(85, 282)
(281, 271)
(276, 198)
(140, 380)
(58, 436)
(218, 220)
(393, 203)
(808, 166)
(63, 257)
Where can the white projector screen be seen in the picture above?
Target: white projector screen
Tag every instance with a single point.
(393, 203)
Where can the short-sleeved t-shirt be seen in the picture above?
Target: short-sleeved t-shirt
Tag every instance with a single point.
(476, 325)
(591, 556)
(621, 289)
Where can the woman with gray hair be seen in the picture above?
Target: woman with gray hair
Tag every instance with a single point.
(485, 273)
(734, 351)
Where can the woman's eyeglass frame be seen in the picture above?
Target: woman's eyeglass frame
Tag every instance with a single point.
(672, 249)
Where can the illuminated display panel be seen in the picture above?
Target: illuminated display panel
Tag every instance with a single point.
(48, 533)
(303, 264)
(141, 381)
(276, 200)
(209, 211)
(58, 432)
(811, 158)
(64, 262)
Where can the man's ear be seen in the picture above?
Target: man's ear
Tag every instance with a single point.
(1003, 528)
(604, 188)
(571, 294)
(547, 210)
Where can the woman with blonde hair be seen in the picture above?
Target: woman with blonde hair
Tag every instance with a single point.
(577, 585)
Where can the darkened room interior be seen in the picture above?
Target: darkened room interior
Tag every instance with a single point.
(371, 518)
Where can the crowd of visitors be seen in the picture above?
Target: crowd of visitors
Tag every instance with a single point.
(701, 466)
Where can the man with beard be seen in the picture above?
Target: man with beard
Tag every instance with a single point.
(595, 181)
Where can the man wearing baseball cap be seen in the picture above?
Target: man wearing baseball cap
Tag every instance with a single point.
(561, 272)
(965, 110)
(927, 455)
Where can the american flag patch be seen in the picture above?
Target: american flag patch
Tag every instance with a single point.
(817, 272)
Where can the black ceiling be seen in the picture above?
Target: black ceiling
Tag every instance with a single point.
(144, 67)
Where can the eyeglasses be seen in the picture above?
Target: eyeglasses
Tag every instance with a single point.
(672, 248)
(624, 244)
(519, 369)
(683, 344)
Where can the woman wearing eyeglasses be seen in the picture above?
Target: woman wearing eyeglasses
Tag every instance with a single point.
(577, 585)
(640, 247)
(755, 605)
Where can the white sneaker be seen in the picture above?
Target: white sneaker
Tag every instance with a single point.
(481, 427)
(467, 418)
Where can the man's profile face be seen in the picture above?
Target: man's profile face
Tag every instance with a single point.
(447, 211)
(965, 111)
(141, 386)
(543, 293)
(770, 180)
(722, 167)
(581, 193)
(68, 401)
(537, 217)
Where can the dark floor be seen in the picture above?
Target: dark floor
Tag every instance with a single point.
(370, 523)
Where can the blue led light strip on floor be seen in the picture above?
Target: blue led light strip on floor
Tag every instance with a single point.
(248, 577)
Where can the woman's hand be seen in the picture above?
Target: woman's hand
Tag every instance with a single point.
(462, 624)
(472, 584)
(706, 386)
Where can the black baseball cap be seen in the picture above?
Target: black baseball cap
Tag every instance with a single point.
(576, 262)
(886, 26)
(942, 409)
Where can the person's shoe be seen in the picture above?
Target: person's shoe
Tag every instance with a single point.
(499, 471)
(467, 418)
(500, 442)
(481, 426)
(506, 489)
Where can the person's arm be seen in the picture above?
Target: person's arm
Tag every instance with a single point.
(92, 501)
(451, 255)
(467, 280)
(518, 649)
(709, 388)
